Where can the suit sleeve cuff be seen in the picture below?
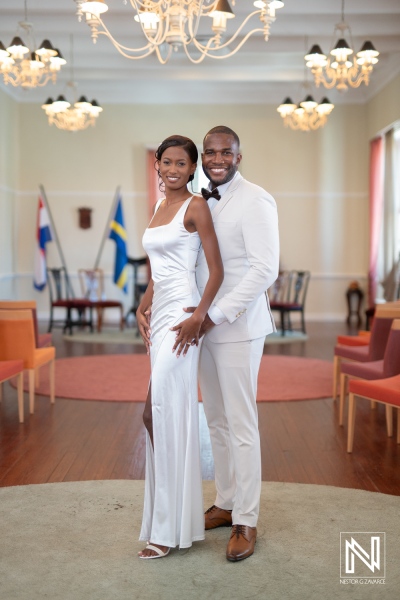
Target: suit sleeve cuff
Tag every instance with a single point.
(216, 315)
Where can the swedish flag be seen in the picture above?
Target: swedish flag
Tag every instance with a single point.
(119, 235)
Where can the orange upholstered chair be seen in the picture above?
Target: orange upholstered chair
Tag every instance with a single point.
(384, 391)
(9, 369)
(17, 342)
(387, 367)
(362, 339)
(375, 350)
(41, 339)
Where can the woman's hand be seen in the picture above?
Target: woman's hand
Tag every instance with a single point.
(188, 333)
(143, 322)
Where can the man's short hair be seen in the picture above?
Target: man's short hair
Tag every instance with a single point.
(226, 130)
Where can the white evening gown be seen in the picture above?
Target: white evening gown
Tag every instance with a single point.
(173, 500)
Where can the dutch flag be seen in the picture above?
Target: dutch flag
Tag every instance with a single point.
(43, 235)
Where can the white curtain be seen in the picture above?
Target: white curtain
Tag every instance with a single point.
(389, 247)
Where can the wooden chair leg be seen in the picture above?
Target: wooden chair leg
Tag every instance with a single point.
(282, 322)
(343, 386)
(389, 420)
(20, 388)
(373, 405)
(99, 319)
(52, 382)
(303, 322)
(51, 319)
(31, 373)
(336, 372)
(37, 378)
(398, 426)
(351, 422)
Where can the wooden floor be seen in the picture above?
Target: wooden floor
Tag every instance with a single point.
(301, 441)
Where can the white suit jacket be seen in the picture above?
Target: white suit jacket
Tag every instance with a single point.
(246, 224)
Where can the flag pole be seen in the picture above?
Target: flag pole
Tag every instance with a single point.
(57, 241)
(107, 229)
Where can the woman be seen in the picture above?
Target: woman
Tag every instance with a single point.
(173, 503)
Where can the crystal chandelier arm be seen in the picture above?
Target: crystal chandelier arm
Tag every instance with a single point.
(329, 81)
(199, 46)
(161, 34)
(202, 11)
(45, 82)
(292, 122)
(316, 121)
(162, 60)
(121, 48)
(355, 78)
(203, 54)
(243, 41)
(117, 44)
(96, 20)
(193, 30)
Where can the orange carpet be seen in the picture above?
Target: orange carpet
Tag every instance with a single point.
(124, 378)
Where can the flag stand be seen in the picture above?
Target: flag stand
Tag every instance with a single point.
(107, 229)
(57, 241)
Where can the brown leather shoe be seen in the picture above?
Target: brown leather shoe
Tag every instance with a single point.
(241, 543)
(217, 517)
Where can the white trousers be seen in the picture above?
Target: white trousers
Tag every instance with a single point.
(228, 382)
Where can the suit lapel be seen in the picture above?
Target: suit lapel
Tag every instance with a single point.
(226, 197)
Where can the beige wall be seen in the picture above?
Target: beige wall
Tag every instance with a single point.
(384, 109)
(8, 185)
(319, 180)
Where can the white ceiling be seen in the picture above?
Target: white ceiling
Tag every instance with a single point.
(260, 72)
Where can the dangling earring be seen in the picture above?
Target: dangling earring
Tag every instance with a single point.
(161, 185)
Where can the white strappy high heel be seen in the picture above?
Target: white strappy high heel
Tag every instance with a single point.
(159, 552)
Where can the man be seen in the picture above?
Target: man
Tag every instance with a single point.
(246, 223)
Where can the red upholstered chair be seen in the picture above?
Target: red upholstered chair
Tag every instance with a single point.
(383, 391)
(92, 286)
(378, 369)
(62, 296)
(9, 369)
(295, 293)
(376, 348)
(17, 338)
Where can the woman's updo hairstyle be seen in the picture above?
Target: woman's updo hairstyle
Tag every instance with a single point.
(183, 142)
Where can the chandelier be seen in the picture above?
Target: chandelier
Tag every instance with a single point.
(71, 117)
(22, 66)
(343, 68)
(308, 115)
(171, 25)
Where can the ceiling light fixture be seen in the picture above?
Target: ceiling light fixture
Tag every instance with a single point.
(71, 117)
(22, 66)
(308, 115)
(172, 25)
(343, 68)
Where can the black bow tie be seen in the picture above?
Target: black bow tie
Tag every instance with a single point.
(213, 194)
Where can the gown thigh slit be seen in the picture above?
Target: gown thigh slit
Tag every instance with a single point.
(173, 503)
(147, 416)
